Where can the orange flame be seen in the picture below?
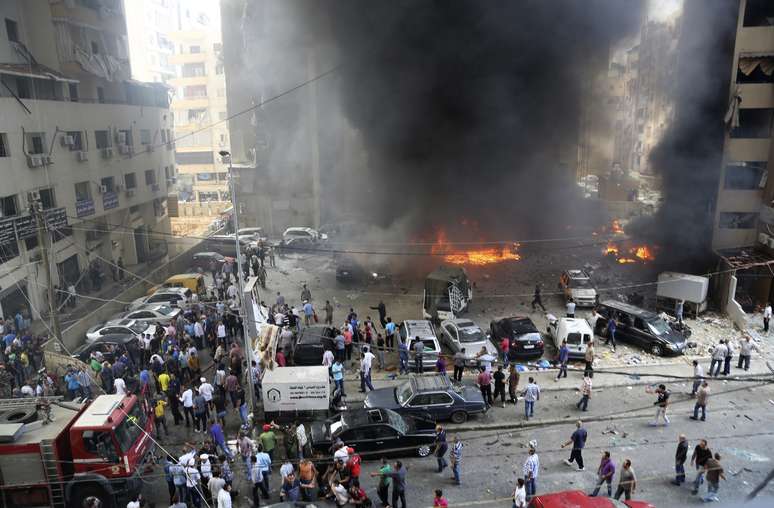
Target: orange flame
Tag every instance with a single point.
(478, 257)
(644, 253)
(616, 228)
(611, 249)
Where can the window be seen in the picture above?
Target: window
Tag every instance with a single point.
(753, 123)
(746, 175)
(194, 49)
(219, 68)
(195, 91)
(191, 70)
(73, 87)
(108, 183)
(102, 139)
(423, 399)
(751, 69)
(145, 137)
(440, 398)
(196, 115)
(759, 13)
(130, 180)
(194, 157)
(82, 191)
(77, 137)
(208, 196)
(163, 136)
(125, 137)
(23, 88)
(12, 30)
(35, 143)
(4, 145)
(47, 198)
(100, 95)
(134, 209)
(205, 177)
(9, 206)
(150, 177)
(737, 220)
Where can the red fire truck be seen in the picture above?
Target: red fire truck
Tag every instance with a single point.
(56, 454)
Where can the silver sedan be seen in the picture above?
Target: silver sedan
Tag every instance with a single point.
(151, 314)
(464, 333)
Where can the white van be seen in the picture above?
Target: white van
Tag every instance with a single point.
(575, 331)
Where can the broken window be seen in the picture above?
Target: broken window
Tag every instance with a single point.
(759, 13)
(737, 220)
(746, 175)
(754, 123)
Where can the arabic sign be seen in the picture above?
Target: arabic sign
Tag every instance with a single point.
(84, 207)
(7, 231)
(24, 227)
(109, 200)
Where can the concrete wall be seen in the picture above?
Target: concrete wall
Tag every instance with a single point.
(733, 309)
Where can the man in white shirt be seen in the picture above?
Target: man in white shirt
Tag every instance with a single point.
(766, 317)
(718, 358)
(187, 399)
(199, 334)
(301, 438)
(365, 370)
(341, 454)
(571, 308)
(698, 377)
(530, 472)
(120, 386)
(224, 497)
(232, 292)
(206, 390)
(327, 358)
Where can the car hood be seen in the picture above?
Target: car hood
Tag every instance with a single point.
(473, 348)
(583, 293)
(381, 397)
(673, 336)
(471, 394)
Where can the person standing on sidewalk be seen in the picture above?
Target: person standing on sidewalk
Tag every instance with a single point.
(681, 455)
(440, 447)
(662, 402)
(456, 459)
(484, 382)
(588, 357)
(727, 359)
(766, 317)
(578, 442)
(570, 307)
(718, 357)
(701, 402)
(605, 473)
(585, 390)
(701, 454)
(746, 348)
(499, 379)
(530, 470)
(531, 395)
(459, 365)
(564, 356)
(513, 383)
(698, 377)
(627, 481)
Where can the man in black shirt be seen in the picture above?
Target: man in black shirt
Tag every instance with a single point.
(499, 379)
(680, 457)
(701, 454)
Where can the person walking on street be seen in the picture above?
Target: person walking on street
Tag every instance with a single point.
(519, 494)
(366, 362)
(727, 359)
(662, 402)
(570, 308)
(328, 312)
(701, 402)
(513, 383)
(531, 395)
(499, 381)
(588, 357)
(746, 347)
(578, 442)
(718, 357)
(309, 315)
(536, 300)
(611, 327)
(698, 377)
(766, 317)
(627, 481)
(403, 355)
(530, 471)
(459, 365)
(383, 487)
(713, 471)
(679, 304)
(398, 476)
(585, 390)
(337, 371)
(701, 454)
(306, 294)
(456, 459)
(605, 473)
(440, 447)
(484, 382)
(389, 333)
(382, 310)
(681, 455)
(564, 356)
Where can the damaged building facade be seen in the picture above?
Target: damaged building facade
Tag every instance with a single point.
(77, 134)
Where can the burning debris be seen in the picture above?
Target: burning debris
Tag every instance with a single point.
(476, 256)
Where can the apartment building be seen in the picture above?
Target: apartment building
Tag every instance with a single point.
(148, 23)
(82, 137)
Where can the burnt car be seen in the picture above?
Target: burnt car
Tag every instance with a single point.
(640, 327)
(111, 347)
(429, 396)
(374, 432)
(311, 343)
(524, 339)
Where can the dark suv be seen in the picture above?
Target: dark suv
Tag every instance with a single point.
(311, 343)
(640, 327)
(432, 395)
(524, 339)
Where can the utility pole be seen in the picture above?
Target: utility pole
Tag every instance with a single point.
(242, 311)
(36, 211)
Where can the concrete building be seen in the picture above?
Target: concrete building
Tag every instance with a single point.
(148, 23)
(78, 133)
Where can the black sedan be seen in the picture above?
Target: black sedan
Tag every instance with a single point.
(429, 396)
(202, 260)
(110, 346)
(374, 433)
(524, 340)
(311, 343)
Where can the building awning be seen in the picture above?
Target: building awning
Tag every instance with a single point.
(749, 61)
(745, 257)
(34, 71)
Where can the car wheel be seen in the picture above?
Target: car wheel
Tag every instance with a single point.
(459, 417)
(656, 350)
(423, 451)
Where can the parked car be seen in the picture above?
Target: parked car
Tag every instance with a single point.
(577, 285)
(202, 260)
(524, 340)
(110, 346)
(579, 499)
(311, 343)
(170, 296)
(457, 334)
(225, 244)
(435, 395)
(374, 431)
(413, 328)
(575, 331)
(302, 232)
(254, 234)
(120, 327)
(640, 327)
(192, 281)
(298, 243)
(153, 313)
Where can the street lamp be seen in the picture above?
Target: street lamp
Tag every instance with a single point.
(242, 311)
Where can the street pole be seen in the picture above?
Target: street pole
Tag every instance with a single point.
(242, 311)
(36, 210)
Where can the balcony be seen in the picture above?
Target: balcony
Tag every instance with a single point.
(191, 102)
(757, 95)
(755, 39)
(184, 58)
(188, 81)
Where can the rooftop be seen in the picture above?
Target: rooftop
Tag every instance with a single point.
(99, 410)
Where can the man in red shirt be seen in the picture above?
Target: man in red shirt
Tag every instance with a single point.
(484, 382)
(353, 464)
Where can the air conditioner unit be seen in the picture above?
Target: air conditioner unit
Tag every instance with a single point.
(155, 187)
(763, 238)
(129, 193)
(82, 156)
(107, 152)
(67, 140)
(125, 149)
(121, 138)
(102, 189)
(48, 159)
(34, 161)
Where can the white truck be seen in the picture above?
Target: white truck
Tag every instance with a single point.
(291, 392)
